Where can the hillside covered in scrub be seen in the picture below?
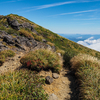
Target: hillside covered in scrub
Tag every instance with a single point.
(42, 50)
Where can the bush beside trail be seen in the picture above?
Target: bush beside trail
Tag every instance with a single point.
(42, 59)
(87, 70)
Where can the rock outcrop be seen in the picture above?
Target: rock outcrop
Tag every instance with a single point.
(13, 23)
(20, 42)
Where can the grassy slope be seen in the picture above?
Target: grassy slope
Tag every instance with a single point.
(70, 48)
(22, 85)
(58, 41)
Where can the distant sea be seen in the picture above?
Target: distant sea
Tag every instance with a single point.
(89, 40)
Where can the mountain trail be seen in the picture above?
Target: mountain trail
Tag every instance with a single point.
(65, 87)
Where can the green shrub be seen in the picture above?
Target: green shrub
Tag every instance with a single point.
(4, 54)
(2, 59)
(87, 70)
(7, 53)
(42, 59)
(22, 85)
(11, 31)
(2, 27)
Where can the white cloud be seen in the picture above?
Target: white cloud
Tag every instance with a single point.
(91, 43)
(57, 4)
(88, 18)
(78, 12)
(49, 5)
(10, 1)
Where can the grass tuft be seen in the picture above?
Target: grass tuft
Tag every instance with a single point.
(25, 33)
(22, 85)
(4, 54)
(42, 59)
(87, 70)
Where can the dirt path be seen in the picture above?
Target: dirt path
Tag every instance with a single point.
(65, 87)
(11, 63)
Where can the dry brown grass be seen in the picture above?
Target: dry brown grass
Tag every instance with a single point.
(80, 59)
(51, 44)
(25, 33)
(60, 51)
(87, 70)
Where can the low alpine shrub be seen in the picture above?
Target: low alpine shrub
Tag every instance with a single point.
(4, 54)
(42, 59)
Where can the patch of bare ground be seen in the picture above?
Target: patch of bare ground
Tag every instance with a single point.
(11, 63)
(65, 87)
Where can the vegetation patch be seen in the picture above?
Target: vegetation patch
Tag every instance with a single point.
(25, 33)
(22, 85)
(51, 44)
(42, 59)
(4, 54)
(87, 70)
(37, 37)
(11, 31)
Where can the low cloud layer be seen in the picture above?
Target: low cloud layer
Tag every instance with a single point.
(91, 43)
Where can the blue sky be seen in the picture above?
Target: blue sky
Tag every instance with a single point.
(59, 16)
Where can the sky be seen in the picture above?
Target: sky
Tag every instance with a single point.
(59, 16)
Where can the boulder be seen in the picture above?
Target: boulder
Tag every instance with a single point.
(55, 75)
(49, 80)
(33, 30)
(34, 43)
(53, 97)
(8, 39)
(26, 25)
(13, 23)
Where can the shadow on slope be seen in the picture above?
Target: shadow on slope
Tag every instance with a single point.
(74, 86)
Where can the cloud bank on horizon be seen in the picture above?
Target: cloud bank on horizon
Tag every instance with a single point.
(91, 43)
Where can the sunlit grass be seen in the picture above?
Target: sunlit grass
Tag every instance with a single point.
(87, 70)
(21, 85)
(4, 54)
(42, 59)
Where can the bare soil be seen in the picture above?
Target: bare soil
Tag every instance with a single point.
(65, 87)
